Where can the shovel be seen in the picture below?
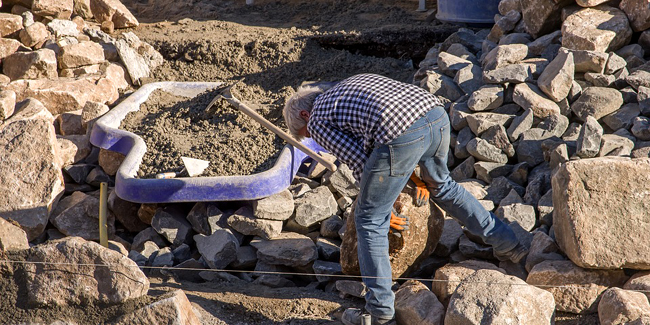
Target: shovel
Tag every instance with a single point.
(225, 94)
(194, 167)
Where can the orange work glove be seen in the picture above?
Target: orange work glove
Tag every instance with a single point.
(421, 191)
(398, 222)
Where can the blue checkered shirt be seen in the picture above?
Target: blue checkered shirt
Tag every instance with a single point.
(365, 110)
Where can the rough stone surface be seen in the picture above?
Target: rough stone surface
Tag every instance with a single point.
(588, 143)
(54, 8)
(583, 213)
(531, 97)
(451, 275)
(641, 128)
(578, 289)
(601, 29)
(80, 54)
(63, 284)
(588, 61)
(78, 215)
(244, 222)
(503, 55)
(10, 24)
(172, 224)
(476, 301)
(409, 250)
(557, 79)
(639, 281)
(30, 65)
(638, 13)
(172, 308)
(275, 207)
(618, 306)
(441, 85)
(486, 98)
(315, 206)
(484, 151)
(138, 57)
(541, 16)
(219, 249)
(114, 11)
(597, 102)
(7, 104)
(288, 249)
(12, 237)
(542, 248)
(30, 154)
(416, 304)
(34, 34)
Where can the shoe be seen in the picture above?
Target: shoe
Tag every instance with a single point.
(515, 255)
(354, 316)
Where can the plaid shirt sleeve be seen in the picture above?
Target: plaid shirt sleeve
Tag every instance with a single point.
(345, 147)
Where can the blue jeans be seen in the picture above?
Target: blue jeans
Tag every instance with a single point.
(425, 143)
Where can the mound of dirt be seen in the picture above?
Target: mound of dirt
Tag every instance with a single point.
(174, 126)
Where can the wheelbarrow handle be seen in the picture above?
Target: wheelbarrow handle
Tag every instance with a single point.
(284, 135)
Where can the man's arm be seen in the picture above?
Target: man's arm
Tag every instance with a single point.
(343, 146)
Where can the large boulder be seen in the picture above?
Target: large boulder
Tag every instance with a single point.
(638, 11)
(30, 65)
(31, 180)
(600, 215)
(478, 301)
(448, 277)
(80, 272)
(542, 16)
(601, 29)
(618, 306)
(576, 290)
(406, 251)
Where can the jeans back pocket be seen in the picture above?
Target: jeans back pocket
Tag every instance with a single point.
(405, 156)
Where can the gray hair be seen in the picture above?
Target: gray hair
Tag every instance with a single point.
(302, 100)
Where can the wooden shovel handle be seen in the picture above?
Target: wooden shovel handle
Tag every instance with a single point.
(284, 135)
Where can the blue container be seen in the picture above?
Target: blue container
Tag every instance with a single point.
(468, 12)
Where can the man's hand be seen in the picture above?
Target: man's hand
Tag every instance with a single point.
(421, 191)
(398, 222)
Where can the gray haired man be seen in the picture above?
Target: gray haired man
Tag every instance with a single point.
(382, 129)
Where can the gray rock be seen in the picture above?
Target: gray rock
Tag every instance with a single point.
(351, 288)
(441, 85)
(572, 132)
(597, 102)
(500, 187)
(275, 207)
(529, 96)
(97, 176)
(189, 275)
(515, 38)
(599, 79)
(78, 172)
(520, 124)
(643, 98)
(461, 51)
(506, 6)
(172, 308)
(171, 223)
(556, 124)
(618, 306)
(602, 29)
(31, 65)
(139, 58)
(148, 234)
(244, 222)
(329, 249)
(126, 213)
(471, 249)
(204, 217)
(519, 173)
(487, 171)
(512, 73)
(464, 170)
(538, 46)
(449, 277)
(638, 78)
(326, 269)
(496, 135)
(314, 207)
(458, 112)
(460, 146)
(641, 128)
(615, 145)
(480, 122)
(523, 214)
(469, 78)
(529, 146)
(638, 14)
(588, 61)
(504, 25)
(465, 37)
(182, 253)
(588, 143)
(541, 17)
(542, 248)
(342, 181)
(614, 63)
(622, 118)
(557, 78)
(503, 55)
(163, 258)
(483, 150)
(448, 243)
(219, 249)
(288, 249)
(558, 156)
(330, 227)
(246, 258)
(450, 64)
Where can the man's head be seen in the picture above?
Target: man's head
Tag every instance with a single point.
(298, 109)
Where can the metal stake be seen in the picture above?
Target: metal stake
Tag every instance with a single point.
(103, 228)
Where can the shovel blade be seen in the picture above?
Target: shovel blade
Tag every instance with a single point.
(193, 166)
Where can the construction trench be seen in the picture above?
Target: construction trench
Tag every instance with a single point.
(551, 129)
